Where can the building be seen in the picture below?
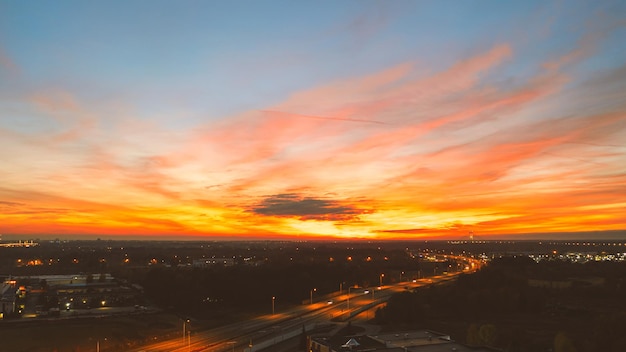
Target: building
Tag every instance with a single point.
(84, 291)
(207, 262)
(406, 341)
(8, 296)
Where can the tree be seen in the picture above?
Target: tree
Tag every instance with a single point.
(485, 335)
(473, 339)
(562, 343)
(488, 334)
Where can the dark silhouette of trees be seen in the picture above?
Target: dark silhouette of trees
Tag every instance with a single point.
(501, 307)
(251, 288)
(562, 343)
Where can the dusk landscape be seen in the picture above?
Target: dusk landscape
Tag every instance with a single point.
(312, 176)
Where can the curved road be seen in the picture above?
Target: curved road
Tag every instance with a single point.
(263, 331)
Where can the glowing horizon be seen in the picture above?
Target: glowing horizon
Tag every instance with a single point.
(357, 119)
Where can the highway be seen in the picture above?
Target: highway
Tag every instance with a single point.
(264, 331)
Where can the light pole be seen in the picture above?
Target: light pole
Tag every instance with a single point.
(232, 343)
(381, 279)
(401, 273)
(313, 290)
(273, 299)
(189, 340)
(349, 298)
(184, 328)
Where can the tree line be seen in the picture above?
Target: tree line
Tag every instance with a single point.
(498, 307)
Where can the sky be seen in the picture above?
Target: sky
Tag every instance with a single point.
(312, 119)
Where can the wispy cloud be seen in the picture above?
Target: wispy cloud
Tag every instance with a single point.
(330, 118)
(7, 64)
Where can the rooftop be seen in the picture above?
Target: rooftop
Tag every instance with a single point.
(406, 341)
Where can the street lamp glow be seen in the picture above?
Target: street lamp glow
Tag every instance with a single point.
(313, 290)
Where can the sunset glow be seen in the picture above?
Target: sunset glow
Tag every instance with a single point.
(340, 119)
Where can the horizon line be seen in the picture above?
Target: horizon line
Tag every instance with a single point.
(613, 235)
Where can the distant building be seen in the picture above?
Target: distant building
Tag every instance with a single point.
(407, 341)
(20, 243)
(84, 291)
(8, 295)
(206, 262)
(73, 279)
(251, 261)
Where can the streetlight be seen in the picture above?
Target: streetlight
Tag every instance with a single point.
(98, 344)
(184, 328)
(189, 340)
(401, 273)
(273, 299)
(381, 279)
(313, 290)
(349, 297)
